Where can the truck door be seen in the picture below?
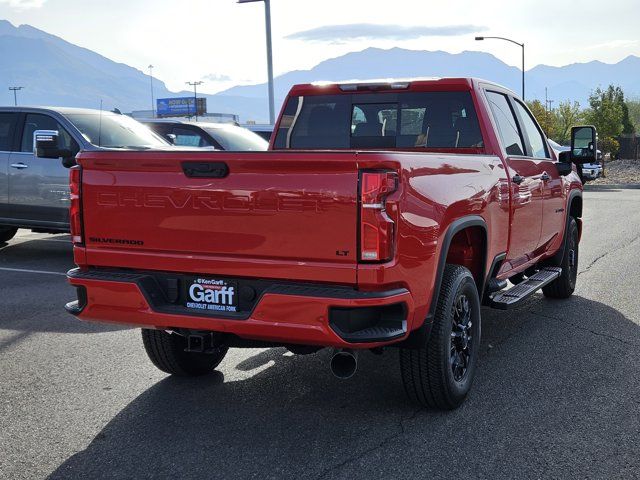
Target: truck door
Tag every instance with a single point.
(526, 184)
(8, 121)
(39, 187)
(553, 203)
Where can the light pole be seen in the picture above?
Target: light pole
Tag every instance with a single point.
(153, 106)
(267, 19)
(15, 95)
(195, 96)
(517, 43)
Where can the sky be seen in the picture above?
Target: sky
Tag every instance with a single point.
(222, 43)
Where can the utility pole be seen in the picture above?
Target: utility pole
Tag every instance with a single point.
(547, 102)
(195, 96)
(153, 103)
(15, 95)
(267, 20)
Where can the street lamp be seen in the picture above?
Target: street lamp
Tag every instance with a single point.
(517, 43)
(267, 18)
(195, 96)
(153, 107)
(15, 95)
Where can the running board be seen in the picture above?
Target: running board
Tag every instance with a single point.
(506, 299)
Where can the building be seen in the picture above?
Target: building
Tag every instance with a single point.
(207, 117)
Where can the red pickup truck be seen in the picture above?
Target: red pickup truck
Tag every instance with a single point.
(383, 215)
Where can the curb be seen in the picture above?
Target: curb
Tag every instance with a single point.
(613, 186)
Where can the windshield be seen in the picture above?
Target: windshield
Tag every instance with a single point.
(114, 131)
(237, 139)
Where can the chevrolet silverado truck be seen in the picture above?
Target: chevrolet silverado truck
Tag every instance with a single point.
(383, 215)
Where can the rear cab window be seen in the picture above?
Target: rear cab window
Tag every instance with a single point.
(404, 120)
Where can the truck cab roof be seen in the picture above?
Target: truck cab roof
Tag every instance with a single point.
(419, 84)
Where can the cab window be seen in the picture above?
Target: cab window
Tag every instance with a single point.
(7, 129)
(38, 121)
(441, 120)
(187, 137)
(506, 122)
(537, 145)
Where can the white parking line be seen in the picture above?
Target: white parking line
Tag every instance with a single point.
(68, 242)
(24, 270)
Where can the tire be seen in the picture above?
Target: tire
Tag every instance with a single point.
(166, 352)
(429, 375)
(565, 284)
(7, 233)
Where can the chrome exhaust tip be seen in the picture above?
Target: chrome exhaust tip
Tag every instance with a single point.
(344, 363)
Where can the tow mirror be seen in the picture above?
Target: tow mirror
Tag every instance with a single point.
(45, 145)
(584, 144)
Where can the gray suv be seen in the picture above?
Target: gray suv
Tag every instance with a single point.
(34, 191)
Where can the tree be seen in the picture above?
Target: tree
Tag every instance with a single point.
(633, 107)
(566, 116)
(608, 116)
(545, 118)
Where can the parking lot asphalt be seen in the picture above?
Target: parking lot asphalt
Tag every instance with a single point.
(557, 394)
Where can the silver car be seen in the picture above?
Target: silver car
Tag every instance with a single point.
(34, 192)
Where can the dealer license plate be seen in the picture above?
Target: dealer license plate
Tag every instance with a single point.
(211, 294)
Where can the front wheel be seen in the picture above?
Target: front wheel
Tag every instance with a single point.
(7, 233)
(167, 352)
(565, 284)
(439, 374)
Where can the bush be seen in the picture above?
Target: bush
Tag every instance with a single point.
(609, 145)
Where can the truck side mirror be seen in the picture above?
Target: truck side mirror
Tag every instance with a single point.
(564, 165)
(45, 145)
(584, 141)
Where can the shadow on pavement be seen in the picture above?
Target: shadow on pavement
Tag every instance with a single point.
(554, 397)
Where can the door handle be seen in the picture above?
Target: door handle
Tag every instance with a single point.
(517, 179)
(545, 177)
(19, 166)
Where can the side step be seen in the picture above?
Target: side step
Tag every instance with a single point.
(506, 299)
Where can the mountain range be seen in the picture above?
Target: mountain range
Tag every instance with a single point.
(56, 72)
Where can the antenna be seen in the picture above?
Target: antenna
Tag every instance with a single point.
(100, 126)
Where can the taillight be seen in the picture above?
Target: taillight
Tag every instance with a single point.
(75, 208)
(376, 228)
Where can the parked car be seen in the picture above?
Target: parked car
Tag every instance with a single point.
(590, 171)
(385, 215)
(221, 136)
(264, 130)
(34, 191)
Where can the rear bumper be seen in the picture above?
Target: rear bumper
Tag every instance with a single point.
(283, 313)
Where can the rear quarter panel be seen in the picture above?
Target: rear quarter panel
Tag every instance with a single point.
(435, 190)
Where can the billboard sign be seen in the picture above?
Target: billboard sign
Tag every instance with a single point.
(180, 107)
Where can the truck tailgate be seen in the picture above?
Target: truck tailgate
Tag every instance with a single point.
(281, 215)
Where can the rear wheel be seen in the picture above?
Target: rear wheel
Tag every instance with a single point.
(565, 284)
(439, 374)
(7, 233)
(166, 351)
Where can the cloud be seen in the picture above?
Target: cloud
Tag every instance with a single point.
(370, 31)
(23, 4)
(614, 44)
(217, 77)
